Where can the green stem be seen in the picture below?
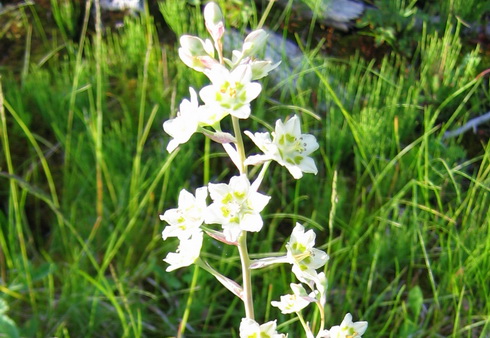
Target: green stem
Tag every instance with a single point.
(303, 323)
(239, 144)
(322, 316)
(242, 241)
(247, 276)
(187, 311)
(218, 45)
(98, 117)
(265, 14)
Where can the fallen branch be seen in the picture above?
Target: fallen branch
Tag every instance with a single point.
(471, 124)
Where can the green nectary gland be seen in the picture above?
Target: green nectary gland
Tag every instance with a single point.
(225, 211)
(237, 198)
(227, 199)
(231, 90)
(239, 195)
(291, 149)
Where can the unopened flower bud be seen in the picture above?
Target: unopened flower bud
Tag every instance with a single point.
(213, 18)
(254, 42)
(196, 53)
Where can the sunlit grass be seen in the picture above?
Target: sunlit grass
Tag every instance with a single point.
(84, 175)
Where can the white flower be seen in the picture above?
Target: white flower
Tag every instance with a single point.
(289, 148)
(304, 257)
(295, 302)
(210, 115)
(260, 68)
(182, 127)
(188, 217)
(230, 92)
(187, 252)
(249, 328)
(347, 329)
(254, 42)
(213, 19)
(236, 207)
(196, 53)
(321, 285)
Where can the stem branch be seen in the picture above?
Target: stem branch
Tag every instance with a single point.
(247, 276)
(239, 144)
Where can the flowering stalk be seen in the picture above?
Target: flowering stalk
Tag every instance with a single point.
(239, 144)
(214, 23)
(247, 278)
(236, 206)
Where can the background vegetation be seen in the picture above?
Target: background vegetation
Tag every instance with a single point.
(402, 210)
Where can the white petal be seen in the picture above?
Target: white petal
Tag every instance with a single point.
(261, 69)
(186, 199)
(171, 216)
(310, 143)
(240, 184)
(193, 96)
(232, 231)
(347, 321)
(208, 47)
(172, 145)
(249, 328)
(253, 90)
(269, 328)
(293, 126)
(280, 128)
(361, 327)
(263, 262)
(217, 74)
(213, 214)
(294, 170)
(319, 258)
(186, 254)
(298, 231)
(201, 195)
(257, 159)
(218, 190)
(260, 139)
(251, 222)
(173, 126)
(211, 113)
(308, 165)
(258, 201)
(169, 231)
(242, 113)
(231, 151)
(208, 94)
(242, 74)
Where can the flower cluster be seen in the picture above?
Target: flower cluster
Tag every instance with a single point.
(347, 329)
(228, 211)
(236, 207)
(232, 88)
(249, 328)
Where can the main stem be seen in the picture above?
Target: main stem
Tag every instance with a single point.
(242, 241)
(239, 144)
(247, 276)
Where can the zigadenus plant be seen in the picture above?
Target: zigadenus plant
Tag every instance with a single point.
(236, 206)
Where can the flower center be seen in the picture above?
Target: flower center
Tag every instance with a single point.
(233, 206)
(229, 89)
(291, 148)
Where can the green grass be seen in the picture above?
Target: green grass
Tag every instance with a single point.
(84, 175)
